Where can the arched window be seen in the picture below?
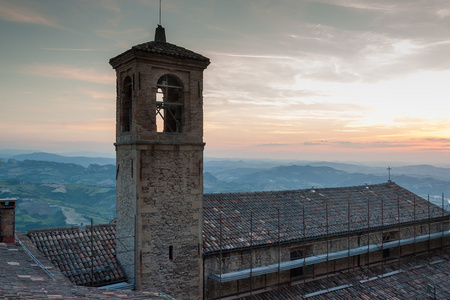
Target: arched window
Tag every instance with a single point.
(126, 105)
(169, 104)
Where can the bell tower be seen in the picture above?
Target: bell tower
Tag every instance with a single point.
(159, 151)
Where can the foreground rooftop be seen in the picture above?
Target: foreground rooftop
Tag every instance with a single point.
(87, 256)
(22, 278)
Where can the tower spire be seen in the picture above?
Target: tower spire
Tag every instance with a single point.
(160, 32)
(160, 13)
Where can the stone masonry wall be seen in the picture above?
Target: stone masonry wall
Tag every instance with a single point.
(170, 218)
(126, 209)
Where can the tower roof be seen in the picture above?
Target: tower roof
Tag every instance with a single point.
(167, 49)
(160, 47)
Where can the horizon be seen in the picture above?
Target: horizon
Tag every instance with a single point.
(7, 153)
(293, 80)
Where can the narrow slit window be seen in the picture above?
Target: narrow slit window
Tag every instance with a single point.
(126, 105)
(171, 253)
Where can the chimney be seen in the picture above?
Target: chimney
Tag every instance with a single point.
(7, 220)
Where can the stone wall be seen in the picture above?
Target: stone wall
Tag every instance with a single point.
(170, 218)
(126, 209)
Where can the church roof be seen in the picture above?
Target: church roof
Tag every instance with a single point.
(72, 251)
(240, 220)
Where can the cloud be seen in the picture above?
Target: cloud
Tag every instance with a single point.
(66, 49)
(443, 140)
(316, 143)
(368, 5)
(22, 14)
(126, 38)
(376, 144)
(443, 13)
(69, 72)
(112, 5)
(274, 145)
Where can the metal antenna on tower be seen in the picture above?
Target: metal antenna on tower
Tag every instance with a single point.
(160, 34)
(160, 12)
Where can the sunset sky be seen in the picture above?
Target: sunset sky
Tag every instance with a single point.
(341, 80)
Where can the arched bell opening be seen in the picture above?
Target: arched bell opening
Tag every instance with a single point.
(169, 104)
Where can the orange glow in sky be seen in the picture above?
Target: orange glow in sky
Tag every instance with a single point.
(289, 79)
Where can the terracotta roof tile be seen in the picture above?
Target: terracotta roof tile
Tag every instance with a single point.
(168, 49)
(285, 216)
(69, 249)
(165, 49)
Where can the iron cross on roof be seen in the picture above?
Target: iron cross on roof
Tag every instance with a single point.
(389, 171)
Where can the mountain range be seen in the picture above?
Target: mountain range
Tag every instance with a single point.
(85, 161)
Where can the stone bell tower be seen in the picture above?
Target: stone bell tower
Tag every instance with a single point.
(159, 150)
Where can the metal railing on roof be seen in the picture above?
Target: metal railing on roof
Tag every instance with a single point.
(312, 260)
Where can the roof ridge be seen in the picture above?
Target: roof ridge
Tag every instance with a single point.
(69, 228)
(305, 189)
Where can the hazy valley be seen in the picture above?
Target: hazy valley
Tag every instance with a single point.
(55, 190)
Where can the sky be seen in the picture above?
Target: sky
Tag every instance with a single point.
(334, 80)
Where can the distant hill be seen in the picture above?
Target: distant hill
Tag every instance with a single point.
(55, 193)
(284, 178)
(43, 205)
(7, 153)
(420, 171)
(79, 160)
(53, 172)
(231, 176)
